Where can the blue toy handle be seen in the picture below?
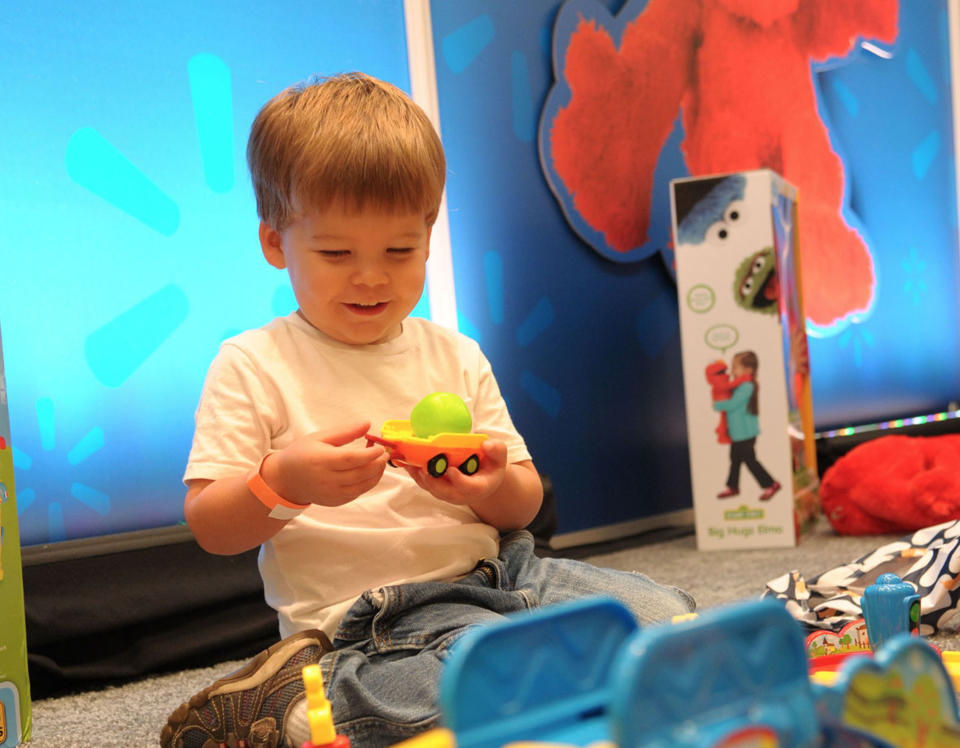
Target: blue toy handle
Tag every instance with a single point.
(890, 607)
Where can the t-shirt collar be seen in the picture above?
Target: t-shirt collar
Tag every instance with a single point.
(398, 344)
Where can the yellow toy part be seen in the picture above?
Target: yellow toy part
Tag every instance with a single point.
(438, 737)
(535, 744)
(434, 453)
(951, 661)
(319, 715)
(824, 677)
(441, 737)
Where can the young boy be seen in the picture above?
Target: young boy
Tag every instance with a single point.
(390, 565)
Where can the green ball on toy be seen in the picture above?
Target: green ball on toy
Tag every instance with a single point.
(440, 413)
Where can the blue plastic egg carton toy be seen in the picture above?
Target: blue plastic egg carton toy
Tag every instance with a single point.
(584, 672)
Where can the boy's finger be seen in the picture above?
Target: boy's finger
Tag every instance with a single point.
(495, 450)
(344, 435)
(361, 483)
(357, 457)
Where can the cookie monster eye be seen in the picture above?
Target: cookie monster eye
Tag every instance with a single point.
(734, 211)
(718, 234)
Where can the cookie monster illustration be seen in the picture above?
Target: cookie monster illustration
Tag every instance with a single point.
(710, 212)
(709, 208)
(755, 285)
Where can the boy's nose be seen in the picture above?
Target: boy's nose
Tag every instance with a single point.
(370, 274)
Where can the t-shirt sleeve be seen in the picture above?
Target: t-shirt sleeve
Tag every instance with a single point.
(234, 419)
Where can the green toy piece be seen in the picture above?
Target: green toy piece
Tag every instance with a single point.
(440, 413)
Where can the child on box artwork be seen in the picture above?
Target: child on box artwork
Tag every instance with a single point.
(374, 572)
(737, 400)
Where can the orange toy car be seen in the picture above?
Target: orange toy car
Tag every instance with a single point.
(434, 453)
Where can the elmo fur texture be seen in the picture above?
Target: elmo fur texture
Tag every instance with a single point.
(739, 73)
(894, 484)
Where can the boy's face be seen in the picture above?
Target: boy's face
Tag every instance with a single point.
(356, 274)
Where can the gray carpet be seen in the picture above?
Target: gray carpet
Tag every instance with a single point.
(132, 715)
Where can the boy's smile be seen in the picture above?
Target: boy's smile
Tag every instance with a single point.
(356, 274)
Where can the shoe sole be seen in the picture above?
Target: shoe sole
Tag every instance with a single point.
(248, 676)
(774, 492)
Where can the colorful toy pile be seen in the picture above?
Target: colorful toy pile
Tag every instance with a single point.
(734, 676)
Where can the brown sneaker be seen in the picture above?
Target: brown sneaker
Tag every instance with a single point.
(247, 708)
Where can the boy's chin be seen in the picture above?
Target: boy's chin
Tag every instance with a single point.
(363, 336)
(355, 331)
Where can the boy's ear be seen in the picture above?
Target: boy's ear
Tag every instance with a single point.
(271, 244)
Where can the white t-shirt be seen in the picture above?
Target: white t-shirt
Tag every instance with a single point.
(269, 386)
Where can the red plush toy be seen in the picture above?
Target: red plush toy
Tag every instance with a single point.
(739, 73)
(894, 484)
(721, 388)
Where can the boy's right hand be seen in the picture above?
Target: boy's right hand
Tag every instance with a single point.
(324, 468)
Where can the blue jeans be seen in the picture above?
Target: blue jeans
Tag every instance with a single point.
(382, 677)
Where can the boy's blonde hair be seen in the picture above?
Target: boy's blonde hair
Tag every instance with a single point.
(350, 139)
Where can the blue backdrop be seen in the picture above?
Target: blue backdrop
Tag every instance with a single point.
(130, 245)
(587, 349)
(130, 233)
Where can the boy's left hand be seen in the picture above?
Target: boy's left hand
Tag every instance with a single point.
(456, 488)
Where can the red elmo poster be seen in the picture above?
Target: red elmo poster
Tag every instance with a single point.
(738, 77)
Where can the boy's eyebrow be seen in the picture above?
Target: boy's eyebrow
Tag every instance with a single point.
(337, 237)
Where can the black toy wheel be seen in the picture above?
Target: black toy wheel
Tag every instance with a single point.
(438, 465)
(470, 465)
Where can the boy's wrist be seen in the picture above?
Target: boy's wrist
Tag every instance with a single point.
(280, 508)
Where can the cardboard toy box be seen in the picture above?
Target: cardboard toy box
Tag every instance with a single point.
(745, 362)
(15, 721)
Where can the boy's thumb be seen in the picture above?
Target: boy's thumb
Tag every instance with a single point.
(346, 434)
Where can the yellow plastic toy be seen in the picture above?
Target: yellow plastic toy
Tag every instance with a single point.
(319, 715)
(433, 453)
(951, 661)
(441, 737)
(436, 436)
(438, 737)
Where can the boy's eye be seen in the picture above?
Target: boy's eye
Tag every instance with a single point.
(333, 254)
(399, 251)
